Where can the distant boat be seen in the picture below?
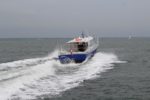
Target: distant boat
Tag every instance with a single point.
(129, 37)
(78, 50)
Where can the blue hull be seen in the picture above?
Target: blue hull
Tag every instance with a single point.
(77, 58)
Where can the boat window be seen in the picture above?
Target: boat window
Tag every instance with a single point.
(82, 46)
(78, 47)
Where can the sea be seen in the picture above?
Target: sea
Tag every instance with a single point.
(120, 70)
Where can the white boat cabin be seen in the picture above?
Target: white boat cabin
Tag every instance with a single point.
(80, 44)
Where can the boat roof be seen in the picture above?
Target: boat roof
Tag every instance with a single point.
(81, 39)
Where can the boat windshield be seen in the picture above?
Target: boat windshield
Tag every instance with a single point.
(82, 46)
(77, 47)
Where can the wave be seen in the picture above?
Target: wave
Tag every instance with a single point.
(37, 77)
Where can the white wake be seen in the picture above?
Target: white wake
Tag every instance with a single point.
(37, 77)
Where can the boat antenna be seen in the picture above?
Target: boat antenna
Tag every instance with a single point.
(82, 34)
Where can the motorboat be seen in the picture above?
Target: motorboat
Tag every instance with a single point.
(78, 50)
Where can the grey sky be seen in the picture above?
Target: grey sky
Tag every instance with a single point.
(64, 18)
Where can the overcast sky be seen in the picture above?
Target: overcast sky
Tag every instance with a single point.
(66, 18)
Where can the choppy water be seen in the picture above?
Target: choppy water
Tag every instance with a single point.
(119, 71)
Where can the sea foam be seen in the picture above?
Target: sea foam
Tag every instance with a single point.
(37, 77)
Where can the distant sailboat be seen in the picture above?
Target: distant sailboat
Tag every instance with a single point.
(129, 37)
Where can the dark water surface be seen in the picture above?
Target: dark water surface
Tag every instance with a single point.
(126, 81)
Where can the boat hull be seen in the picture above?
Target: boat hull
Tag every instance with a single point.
(76, 58)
